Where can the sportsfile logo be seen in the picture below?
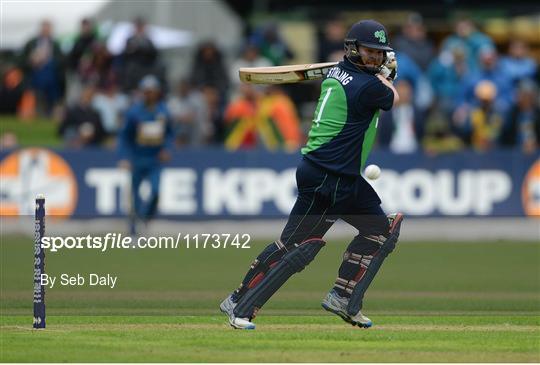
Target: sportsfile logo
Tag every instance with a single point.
(112, 241)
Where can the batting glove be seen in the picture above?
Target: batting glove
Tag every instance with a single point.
(390, 66)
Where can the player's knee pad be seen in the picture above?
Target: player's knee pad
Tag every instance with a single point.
(388, 246)
(368, 272)
(294, 261)
(389, 242)
(356, 260)
(303, 254)
(268, 258)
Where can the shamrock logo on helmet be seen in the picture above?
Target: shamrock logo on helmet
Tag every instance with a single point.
(380, 36)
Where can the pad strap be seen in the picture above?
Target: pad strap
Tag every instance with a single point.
(366, 277)
(294, 261)
(268, 258)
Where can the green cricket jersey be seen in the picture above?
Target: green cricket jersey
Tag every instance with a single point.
(346, 118)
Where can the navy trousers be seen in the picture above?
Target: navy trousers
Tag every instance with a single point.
(324, 197)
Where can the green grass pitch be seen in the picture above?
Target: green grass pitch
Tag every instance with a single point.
(31, 133)
(432, 302)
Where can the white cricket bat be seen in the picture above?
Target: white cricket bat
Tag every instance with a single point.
(285, 74)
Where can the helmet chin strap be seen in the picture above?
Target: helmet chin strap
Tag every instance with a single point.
(353, 55)
(367, 68)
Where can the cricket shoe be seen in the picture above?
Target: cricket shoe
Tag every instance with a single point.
(338, 305)
(227, 307)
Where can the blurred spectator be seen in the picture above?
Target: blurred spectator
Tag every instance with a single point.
(272, 46)
(98, 67)
(249, 57)
(489, 70)
(266, 119)
(140, 56)
(81, 125)
(408, 69)
(330, 43)
(215, 110)
(470, 39)
(240, 118)
(447, 74)
(110, 103)
(484, 121)
(278, 108)
(42, 62)
(8, 141)
(518, 64)
(209, 69)
(439, 137)
(82, 48)
(413, 42)
(190, 115)
(79, 60)
(423, 94)
(522, 128)
(399, 128)
(145, 143)
(11, 90)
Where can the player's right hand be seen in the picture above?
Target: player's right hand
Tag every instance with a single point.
(392, 65)
(385, 72)
(391, 61)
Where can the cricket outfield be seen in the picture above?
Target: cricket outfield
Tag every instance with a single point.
(432, 302)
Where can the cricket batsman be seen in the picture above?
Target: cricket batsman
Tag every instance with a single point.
(145, 143)
(330, 187)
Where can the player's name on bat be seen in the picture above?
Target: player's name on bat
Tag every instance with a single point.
(285, 74)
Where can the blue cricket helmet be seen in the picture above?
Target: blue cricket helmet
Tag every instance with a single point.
(369, 33)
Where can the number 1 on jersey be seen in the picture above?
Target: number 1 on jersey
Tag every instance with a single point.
(319, 114)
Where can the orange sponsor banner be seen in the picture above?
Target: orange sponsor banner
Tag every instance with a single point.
(530, 191)
(31, 171)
